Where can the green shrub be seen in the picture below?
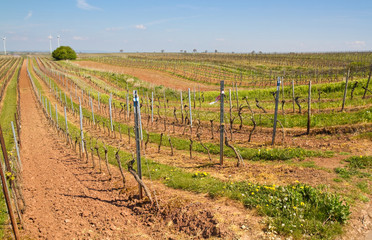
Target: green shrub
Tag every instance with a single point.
(64, 53)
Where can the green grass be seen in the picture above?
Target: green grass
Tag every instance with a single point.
(359, 166)
(367, 135)
(361, 162)
(6, 116)
(357, 173)
(295, 210)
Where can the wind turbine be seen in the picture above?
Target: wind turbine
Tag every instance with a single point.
(50, 43)
(4, 41)
(58, 40)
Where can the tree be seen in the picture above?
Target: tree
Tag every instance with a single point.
(63, 53)
(194, 50)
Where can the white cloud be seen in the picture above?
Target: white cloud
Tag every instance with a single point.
(29, 14)
(357, 43)
(220, 39)
(79, 38)
(82, 4)
(141, 26)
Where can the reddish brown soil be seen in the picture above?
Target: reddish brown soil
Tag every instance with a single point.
(67, 199)
(152, 76)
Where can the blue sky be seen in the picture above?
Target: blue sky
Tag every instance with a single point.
(174, 25)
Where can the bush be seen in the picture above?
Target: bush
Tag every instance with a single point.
(63, 53)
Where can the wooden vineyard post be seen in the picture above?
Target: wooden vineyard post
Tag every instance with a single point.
(369, 79)
(165, 103)
(345, 91)
(8, 203)
(199, 98)
(276, 109)
(137, 133)
(152, 108)
(309, 110)
(222, 124)
(110, 101)
(293, 96)
(5, 188)
(190, 109)
(181, 107)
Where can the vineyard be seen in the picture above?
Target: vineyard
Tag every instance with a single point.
(187, 145)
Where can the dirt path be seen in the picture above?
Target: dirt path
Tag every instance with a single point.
(64, 198)
(152, 76)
